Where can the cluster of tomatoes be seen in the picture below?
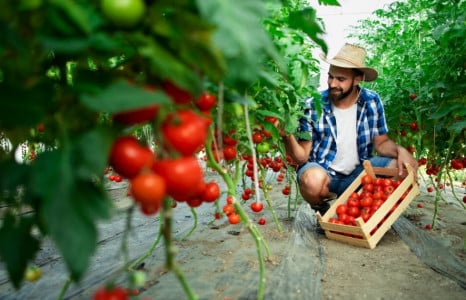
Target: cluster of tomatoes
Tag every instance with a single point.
(373, 194)
(184, 132)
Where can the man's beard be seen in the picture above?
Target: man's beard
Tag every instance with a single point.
(341, 96)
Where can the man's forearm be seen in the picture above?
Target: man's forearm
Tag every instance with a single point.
(388, 148)
(299, 152)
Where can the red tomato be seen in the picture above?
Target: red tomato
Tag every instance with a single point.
(368, 187)
(229, 209)
(352, 202)
(194, 201)
(206, 101)
(245, 196)
(365, 216)
(366, 179)
(178, 95)
(261, 221)
(229, 141)
(257, 206)
(286, 191)
(128, 157)
(148, 189)
(387, 182)
(342, 209)
(211, 192)
(271, 119)
(183, 176)
(185, 131)
(115, 293)
(345, 218)
(137, 116)
(40, 127)
(229, 199)
(354, 211)
(378, 195)
(389, 189)
(229, 153)
(257, 137)
(378, 181)
(234, 218)
(366, 202)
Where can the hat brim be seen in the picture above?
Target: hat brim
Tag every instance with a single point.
(370, 74)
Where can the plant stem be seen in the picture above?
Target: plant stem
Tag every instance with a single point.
(167, 213)
(64, 288)
(193, 211)
(148, 252)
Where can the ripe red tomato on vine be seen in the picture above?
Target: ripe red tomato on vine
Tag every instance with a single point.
(137, 116)
(229, 153)
(183, 176)
(257, 206)
(178, 95)
(185, 131)
(206, 101)
(128, 157)
(211, 192)
(149, 190)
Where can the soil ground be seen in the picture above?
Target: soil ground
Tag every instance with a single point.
(220, 260)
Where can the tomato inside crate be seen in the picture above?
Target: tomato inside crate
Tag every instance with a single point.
(366, 210)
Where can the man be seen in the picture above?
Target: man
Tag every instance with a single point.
(350, 128)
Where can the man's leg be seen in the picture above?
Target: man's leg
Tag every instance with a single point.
(313, 185)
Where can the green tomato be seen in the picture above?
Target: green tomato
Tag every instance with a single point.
(138, 278)
(263, 147)
(32, 273)
(123, 13)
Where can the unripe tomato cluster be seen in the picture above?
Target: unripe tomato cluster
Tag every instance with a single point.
(183, 133)
(372, 195)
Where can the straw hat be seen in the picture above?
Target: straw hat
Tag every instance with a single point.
(352, 56)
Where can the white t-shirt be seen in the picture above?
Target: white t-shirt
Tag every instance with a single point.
(347, 157)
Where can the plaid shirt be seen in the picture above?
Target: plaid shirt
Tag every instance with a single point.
(370, 123)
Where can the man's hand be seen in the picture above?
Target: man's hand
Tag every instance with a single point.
(405, 158)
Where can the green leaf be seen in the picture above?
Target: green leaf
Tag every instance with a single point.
(241, 37)
(329, 2)
(21, 106)
(66, 210)
(122, 96)
(17, 246)
(306, 21)
(91, 152)
(169, 67)
(76, 13)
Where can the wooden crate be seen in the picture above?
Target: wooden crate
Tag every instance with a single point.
(368, 234)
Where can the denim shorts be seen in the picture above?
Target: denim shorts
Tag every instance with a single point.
(339, 182)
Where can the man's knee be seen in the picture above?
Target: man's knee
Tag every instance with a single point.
(313, 183)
